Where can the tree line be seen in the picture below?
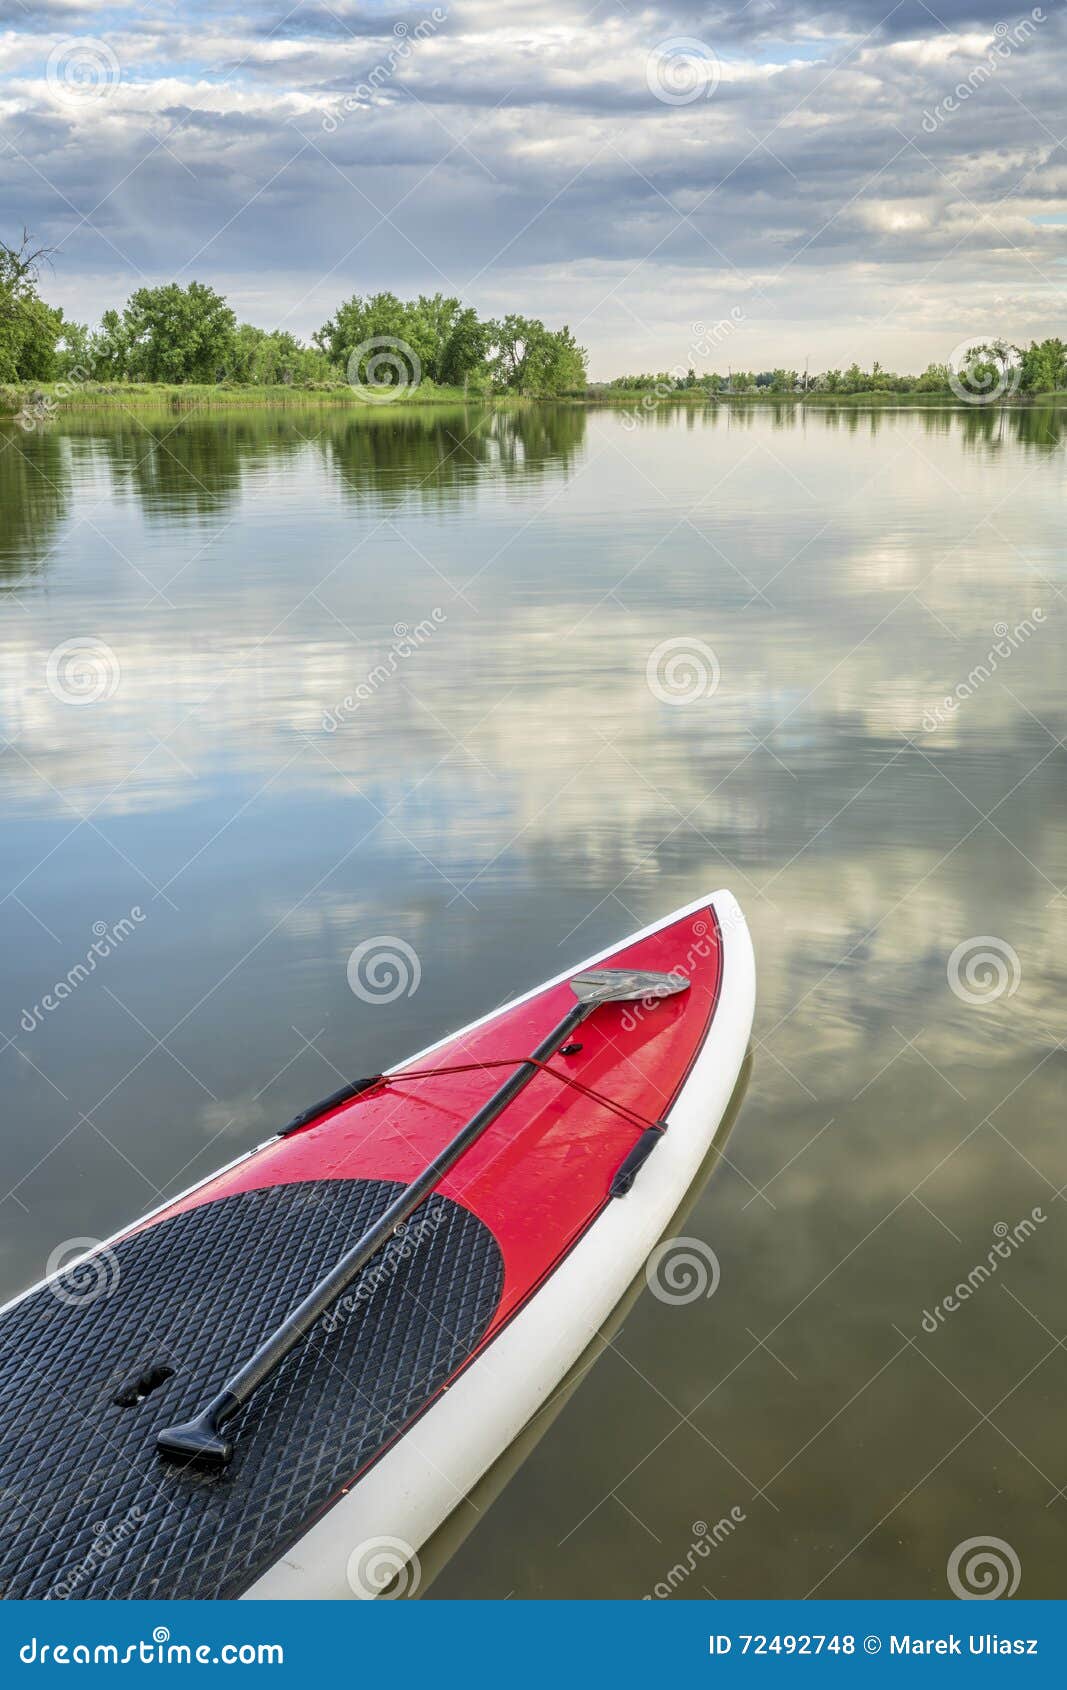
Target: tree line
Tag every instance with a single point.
(179, 334)
(993, 367)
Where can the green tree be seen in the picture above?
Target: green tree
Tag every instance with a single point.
(518, 348)
(109, 349)
(934, 379)
(178, 334)
(380, 316)
(1044, 367)
(564, 365)
(427, 328)
(275, 358)
(73, 358)
(29, 329)
(463, 355)
(529, 359)
(343, 331)
(37, 329)
(451, 346)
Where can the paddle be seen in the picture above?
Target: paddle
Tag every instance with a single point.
(201, 1439)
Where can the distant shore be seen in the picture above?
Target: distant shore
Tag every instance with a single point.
(647, 398)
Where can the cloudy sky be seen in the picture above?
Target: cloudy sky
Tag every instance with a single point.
(684, 183)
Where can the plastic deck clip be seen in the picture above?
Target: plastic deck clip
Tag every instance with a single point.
(634, 1161)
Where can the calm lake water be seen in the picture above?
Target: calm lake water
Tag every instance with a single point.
(521, 776)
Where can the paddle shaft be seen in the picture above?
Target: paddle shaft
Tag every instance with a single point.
(181, 1441)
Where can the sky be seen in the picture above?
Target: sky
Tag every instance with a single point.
(743, 186)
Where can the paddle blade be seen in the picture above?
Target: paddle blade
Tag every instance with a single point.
(625, 985)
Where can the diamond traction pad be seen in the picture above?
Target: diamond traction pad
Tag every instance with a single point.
(87, 1507)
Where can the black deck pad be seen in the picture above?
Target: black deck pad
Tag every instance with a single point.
(88, 1509)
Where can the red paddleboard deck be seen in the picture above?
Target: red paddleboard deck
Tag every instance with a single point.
(411, 1384)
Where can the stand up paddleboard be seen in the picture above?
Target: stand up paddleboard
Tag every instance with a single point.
(297, 1369)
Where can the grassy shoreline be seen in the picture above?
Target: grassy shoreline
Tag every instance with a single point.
(138, 396)
(51, 399)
